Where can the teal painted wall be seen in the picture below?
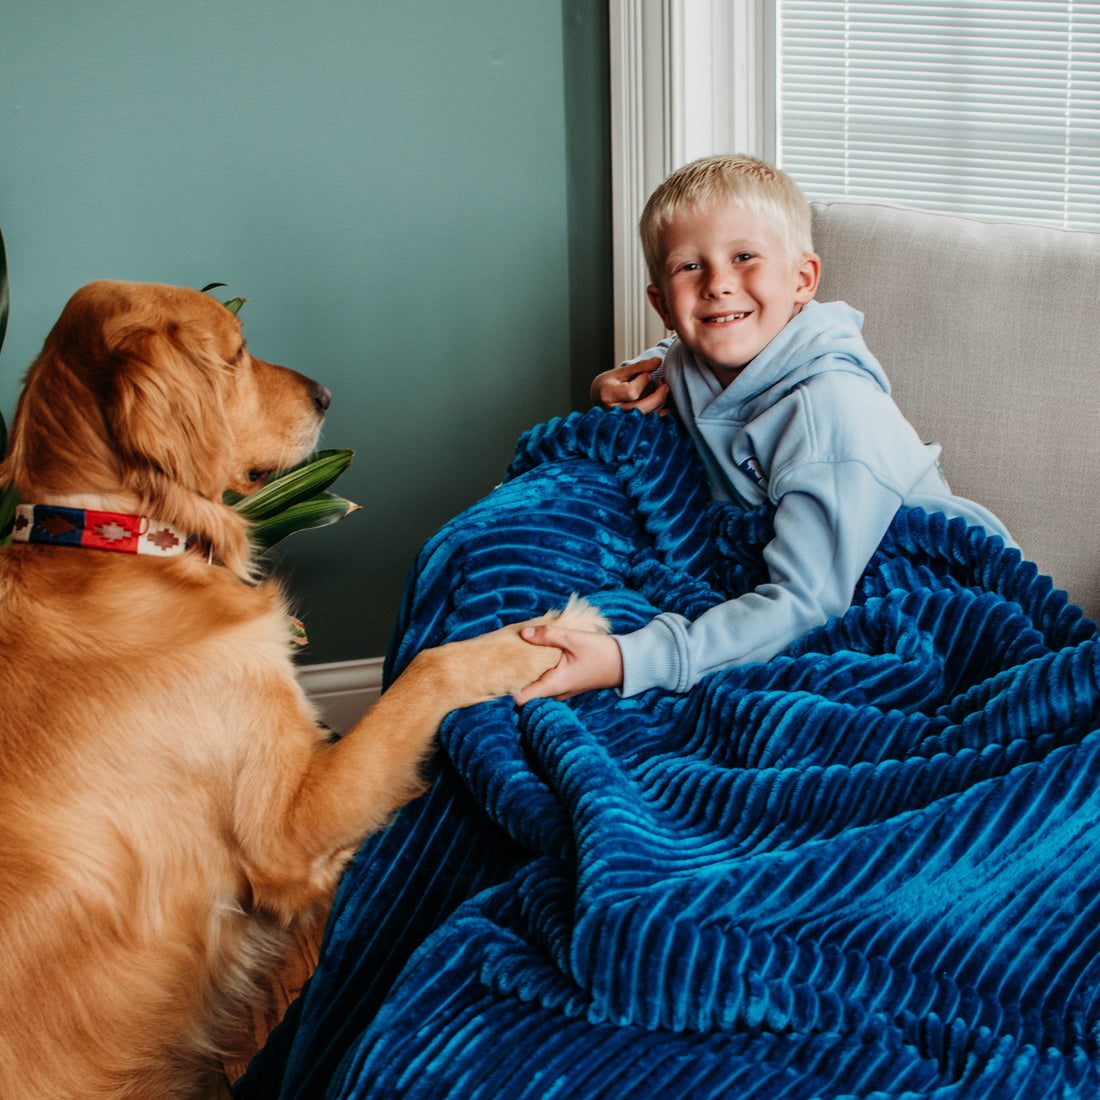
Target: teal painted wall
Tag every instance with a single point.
(411, 194)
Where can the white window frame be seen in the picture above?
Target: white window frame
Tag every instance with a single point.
(666, 111)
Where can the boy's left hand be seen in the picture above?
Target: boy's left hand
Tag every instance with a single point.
(588, 661)
(631, 386)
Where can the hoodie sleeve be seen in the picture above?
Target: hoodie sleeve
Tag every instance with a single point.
(814, 563)
(658, 351)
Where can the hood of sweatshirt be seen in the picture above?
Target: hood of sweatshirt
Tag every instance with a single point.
(820, 336)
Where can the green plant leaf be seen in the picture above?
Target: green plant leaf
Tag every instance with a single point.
(233, 305)
(295, 484)
(9, 498)
(7, 507)
(317, 511)
(5, 300)
(295, 499)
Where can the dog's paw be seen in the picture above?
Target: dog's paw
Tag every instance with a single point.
(577, 614)
(501, 662)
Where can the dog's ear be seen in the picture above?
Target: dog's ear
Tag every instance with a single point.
(166, 412)
(58, 436)
(166, 408)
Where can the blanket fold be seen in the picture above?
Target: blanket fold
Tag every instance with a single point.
(865, 868)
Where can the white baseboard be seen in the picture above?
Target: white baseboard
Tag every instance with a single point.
(343, 690)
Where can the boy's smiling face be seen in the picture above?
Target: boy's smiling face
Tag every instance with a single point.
(728, 286)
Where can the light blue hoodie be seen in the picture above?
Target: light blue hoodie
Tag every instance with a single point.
(809, 426)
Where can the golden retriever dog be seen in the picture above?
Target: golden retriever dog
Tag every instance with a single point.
(168, 803)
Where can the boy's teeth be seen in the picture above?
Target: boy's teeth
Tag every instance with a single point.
(730, 317)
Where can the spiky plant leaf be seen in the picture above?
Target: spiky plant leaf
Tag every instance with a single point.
(233, 305)
(9, 498)
(288, 487)
(317, 511)
(5, 300)
(296, 499)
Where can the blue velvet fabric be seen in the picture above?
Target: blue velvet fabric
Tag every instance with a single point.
(867, 868)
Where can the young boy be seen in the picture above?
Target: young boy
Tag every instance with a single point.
(785, 404)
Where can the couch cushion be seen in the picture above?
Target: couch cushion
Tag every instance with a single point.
(990, 335)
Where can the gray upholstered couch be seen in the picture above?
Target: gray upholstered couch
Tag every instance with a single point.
(990, 335)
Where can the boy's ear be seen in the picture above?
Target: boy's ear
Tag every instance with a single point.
(808, 274)
(657, 301)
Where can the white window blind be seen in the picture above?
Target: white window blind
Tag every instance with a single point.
(984, 107)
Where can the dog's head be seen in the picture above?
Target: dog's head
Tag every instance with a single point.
(146, 398)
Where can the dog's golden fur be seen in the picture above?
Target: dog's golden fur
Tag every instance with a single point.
(167, 803)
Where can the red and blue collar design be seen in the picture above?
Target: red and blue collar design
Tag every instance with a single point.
(53, 525)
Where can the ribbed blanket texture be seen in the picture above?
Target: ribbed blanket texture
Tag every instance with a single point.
(867, 868)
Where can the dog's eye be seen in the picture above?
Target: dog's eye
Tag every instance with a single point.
(240, 354)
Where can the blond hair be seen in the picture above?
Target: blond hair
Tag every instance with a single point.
(745, 181)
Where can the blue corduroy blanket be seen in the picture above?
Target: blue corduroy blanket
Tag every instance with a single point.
(867, 868)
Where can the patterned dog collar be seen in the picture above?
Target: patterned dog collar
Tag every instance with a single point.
(55, 526)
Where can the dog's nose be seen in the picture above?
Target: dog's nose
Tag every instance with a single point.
(321, 398)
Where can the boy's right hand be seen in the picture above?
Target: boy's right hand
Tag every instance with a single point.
(588, 661)
(631, 386)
